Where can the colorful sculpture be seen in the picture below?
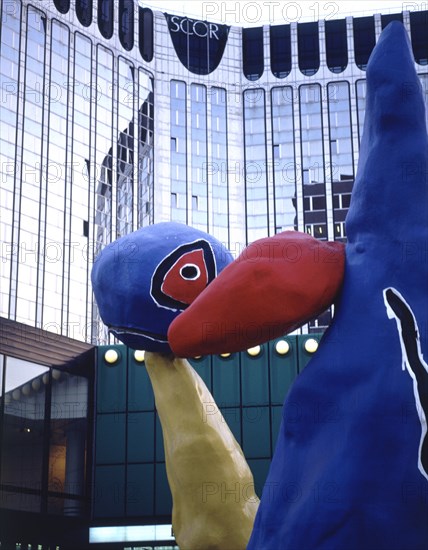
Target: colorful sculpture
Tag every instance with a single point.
(145, 279)
(351, 471)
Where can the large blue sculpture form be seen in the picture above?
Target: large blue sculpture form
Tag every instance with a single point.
(350, 469)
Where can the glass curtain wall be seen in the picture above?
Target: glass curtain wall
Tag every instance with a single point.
(284, 165)
(145, 150)
(43, 439)
(57, 177)
(30, 228)
(312, 161)
(79, 197)
(125, 147)
(341, 154)
(218, 167)
(104, 148)
(11, 178)
(178, 169)
(199, 156)
(255, 165)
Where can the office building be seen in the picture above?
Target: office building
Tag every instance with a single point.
(113, 117)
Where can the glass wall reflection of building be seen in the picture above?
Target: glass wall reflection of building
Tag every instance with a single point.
(114, 117)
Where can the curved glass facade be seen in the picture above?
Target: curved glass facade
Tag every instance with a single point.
(115, 117)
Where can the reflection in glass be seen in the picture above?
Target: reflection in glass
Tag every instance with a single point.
(199, 167)
(218, 165)
(43, 451)
(178, 166)
(23, 430)
(312, 160)
(284, 170)
(57, 174)
(145, 149)
(10, 180)
(28, 310)
(104, 148)
(76, 308)
(67, 448)
(125, 148)
(255, 164)
(361, 105)
(341, 153)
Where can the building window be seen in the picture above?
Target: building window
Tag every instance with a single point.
(255, 164)
(309, 49)
(105, 18)
(419, 32)
(84, 12)
(145, 205)
(178, 164)
(145, 33)
(336, 45)
(218, 173)
(361, 89)
(364, 40)
(62, 5)
(280, 50)
(252, 52)
(126, 24)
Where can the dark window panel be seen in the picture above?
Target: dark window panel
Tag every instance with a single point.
(84, 12)
(309, 49)
(62, 5)
(364, 40)
(318, 203)
(105, 18)
(252, 49)
(145, 26)
(388, 17)
(280, 50)
(336, 45)
(336, 201)
(346, 201)
(419, 32)
(126, 24)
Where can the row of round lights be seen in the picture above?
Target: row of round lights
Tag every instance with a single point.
(282, 347)
(112, 356)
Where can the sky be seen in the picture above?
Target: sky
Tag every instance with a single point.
(256, 13)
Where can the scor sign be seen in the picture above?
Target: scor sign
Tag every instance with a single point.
(202, 29)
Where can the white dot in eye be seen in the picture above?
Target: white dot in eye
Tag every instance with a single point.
(190, 272)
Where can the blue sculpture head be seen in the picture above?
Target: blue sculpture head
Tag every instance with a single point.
(144, 280)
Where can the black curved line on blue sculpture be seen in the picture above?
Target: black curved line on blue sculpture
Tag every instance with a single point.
(409, 335)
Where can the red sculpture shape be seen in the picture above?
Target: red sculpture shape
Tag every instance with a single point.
(275, 285)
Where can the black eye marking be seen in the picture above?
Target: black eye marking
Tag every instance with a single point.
(190, 272)
(166, 264)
